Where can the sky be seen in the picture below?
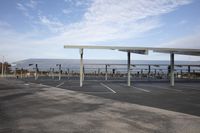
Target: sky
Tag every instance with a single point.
(40, 28)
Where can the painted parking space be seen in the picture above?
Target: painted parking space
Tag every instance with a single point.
(181, 98)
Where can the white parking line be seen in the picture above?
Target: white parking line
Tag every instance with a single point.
(96, 92)
(60, 84)
(172, 89)
(107, 87)
(137, 88)
(43, 85)
(141, 89)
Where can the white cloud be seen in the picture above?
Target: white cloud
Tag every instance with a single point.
(104, 20)
(183, 22)
(26, 7)
(21, 7)
(32, 4)
(191, 41)
(66, 11)
(90, 33)
(78, 3)
(107, 20)
(125, 10)
(53, 25)
(4, 24)
(68, 0)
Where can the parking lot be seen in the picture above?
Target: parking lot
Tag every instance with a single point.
(184, 97)
(49, 105)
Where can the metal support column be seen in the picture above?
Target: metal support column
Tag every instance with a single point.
(68, 73)
(81, 67)
(2, 67)
(106, 76)
(172, 69)
(52, 73)
(181, 73)
(83, 73)
(189, 71)
(128, 68)
(141, 75)
(60, 72)
(36, 70)
(59, 69)
(149, 70)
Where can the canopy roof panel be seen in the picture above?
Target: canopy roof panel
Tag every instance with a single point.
(140, 50)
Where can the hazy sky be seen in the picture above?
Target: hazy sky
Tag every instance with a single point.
(40, 28)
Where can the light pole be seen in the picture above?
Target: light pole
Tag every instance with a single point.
(59, 65)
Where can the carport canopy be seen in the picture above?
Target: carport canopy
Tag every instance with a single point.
(137, 50)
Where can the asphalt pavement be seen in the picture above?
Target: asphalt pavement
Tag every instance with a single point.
(49, 106)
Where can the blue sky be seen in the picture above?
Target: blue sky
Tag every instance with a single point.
(40, 28)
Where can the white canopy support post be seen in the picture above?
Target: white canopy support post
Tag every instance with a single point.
(59, 71)
(129, 66)
(81, 67)
(172, 69)
(106, 75)
(83, 72)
